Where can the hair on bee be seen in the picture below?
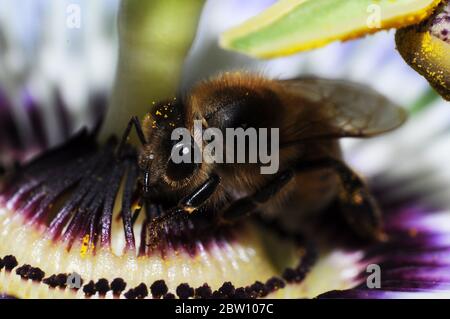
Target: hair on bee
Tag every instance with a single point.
(310, 114)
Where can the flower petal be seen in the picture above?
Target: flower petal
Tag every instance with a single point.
(291, 26)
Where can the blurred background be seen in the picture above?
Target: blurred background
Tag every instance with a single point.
(57, 68)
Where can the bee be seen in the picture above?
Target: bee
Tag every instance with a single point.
(312, 114)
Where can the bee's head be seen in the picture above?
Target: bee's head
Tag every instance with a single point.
(167, 161)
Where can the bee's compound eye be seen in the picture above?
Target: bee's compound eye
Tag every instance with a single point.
(178, 170)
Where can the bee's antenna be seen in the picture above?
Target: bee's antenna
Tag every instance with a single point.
(133, 121)
(146, 182)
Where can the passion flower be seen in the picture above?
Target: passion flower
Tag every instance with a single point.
(292, 26)
(72, 225)
(74, 210)
(288, 27)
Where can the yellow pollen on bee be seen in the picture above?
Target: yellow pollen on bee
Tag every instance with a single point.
(189, 210)
(357, 198)
(158, 113)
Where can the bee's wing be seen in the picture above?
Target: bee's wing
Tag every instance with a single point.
(346, 109)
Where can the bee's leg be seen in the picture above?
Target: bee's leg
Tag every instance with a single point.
(185, 207)
(133, 121)
(158, 224)
(358, 206)
(197, 198)
(247, 205)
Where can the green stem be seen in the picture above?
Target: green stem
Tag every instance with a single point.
(154, 39)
